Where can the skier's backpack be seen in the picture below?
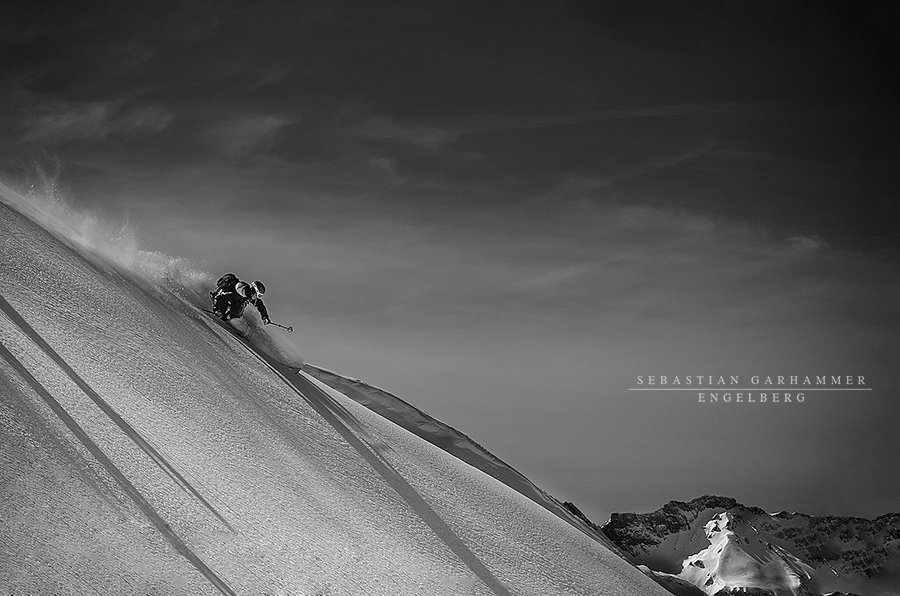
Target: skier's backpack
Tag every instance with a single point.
(227, 282)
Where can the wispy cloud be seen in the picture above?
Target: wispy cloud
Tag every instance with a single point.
(61, 122)
(665, 162)
(387, 129)
(246, 133)
(273, 74)
(435, 137)
(578, 262)
(503, 123)
(807, 244)
(387, 165)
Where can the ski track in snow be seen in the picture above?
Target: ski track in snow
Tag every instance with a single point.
(145, 448)
(135, 436)
(345, 423)
(127, 486)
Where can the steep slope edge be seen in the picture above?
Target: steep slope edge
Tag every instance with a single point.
(450, 440)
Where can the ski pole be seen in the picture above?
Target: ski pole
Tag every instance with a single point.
(289, 329)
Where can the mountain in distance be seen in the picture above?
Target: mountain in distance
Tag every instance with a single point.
(716, 546)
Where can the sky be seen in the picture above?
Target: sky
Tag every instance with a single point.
(506, 212)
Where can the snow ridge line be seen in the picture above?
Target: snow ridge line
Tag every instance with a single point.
(107, 409)
(498, 469)
(340, 419)
(133, 493)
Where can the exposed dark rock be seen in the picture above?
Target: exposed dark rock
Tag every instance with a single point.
(851, 546)
(745, 592)
(574, 510)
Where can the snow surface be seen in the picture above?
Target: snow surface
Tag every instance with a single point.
(146, 449)
(449, 439)
(733, 561)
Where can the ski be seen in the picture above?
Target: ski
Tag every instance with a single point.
(230, 328)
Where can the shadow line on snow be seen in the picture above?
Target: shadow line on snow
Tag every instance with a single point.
(107, 409)
(452, 441)
(155, 518)
(27, 415)
(341, 419)
(331, 411)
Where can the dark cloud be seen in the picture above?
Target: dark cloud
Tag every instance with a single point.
(58, 123)
(511, 96)
(809, 50)
(515, 200)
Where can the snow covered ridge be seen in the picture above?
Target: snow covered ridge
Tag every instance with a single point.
(146, 448)
(717, 546)
(452, 441)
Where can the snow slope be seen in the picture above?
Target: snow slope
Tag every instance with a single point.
(450, 440)
(146, 449)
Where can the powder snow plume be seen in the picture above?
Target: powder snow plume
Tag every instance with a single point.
(118, 243)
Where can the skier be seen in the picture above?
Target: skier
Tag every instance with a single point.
(232, 296)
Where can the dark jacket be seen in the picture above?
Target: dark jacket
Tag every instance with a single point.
(227, 301)
(258, 303)
(237, 303)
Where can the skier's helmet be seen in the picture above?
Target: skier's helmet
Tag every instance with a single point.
(243, 289)
(259, 287)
